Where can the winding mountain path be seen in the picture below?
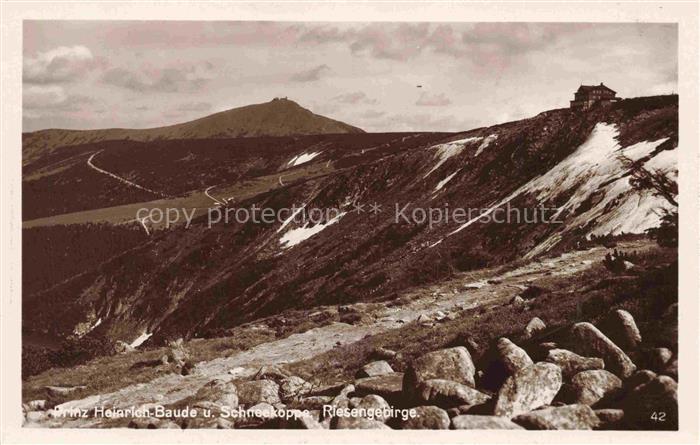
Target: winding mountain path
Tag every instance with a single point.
(119, 178)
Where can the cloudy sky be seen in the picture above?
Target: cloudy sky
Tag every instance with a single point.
(88, 74)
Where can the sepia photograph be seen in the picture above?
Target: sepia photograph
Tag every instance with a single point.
(347, 224)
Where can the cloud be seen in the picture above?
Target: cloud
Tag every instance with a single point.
(194, 106)
(40, 96)
(358, 97)
(433, 100)
(372, 114)
(310, 75)
(165, 80)
(60, 64)
(422, 122)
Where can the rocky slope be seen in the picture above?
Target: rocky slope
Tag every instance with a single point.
(201, 280)
(538, 370)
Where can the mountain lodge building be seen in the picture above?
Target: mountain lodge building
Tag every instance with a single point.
(588, 95)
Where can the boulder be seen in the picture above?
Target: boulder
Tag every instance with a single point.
(35, 416)
(388, 386)
(449, 364)
(293, 387)
(262, 411)
(517, 301)
(671, 369)
(341, 400)
(533, 328)
(376, 406)
(448, 394)
(568, 417)
(37, 405)
(527, 389)
(461, 409)
(590, 341)
(383, 354)
(572, 363)
(357, 423)
(62, 391)
(427, 418)
(374, 369)
(610, 419)
(219, 392)
(623, 330)
(274, 373)
(653, 405)
(641, 377)
(512, 357)
(659, 358)
(177, 353)
(257, 391)
(591, 386)
(470, 422)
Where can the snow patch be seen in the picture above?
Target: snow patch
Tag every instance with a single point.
(595, 175)
(485, 143)
(435, 243)
(302, 158)
(286, 222)
(442, 183)
(296, 236)
(450, 149)
(140, 339)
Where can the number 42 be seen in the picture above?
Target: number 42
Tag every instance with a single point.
(659, 416)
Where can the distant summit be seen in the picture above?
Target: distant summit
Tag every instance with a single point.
(279, 117)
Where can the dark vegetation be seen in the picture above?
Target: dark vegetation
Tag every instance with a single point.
(62, 182)
(52, 254)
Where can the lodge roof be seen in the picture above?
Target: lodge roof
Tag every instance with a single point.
(587, 88)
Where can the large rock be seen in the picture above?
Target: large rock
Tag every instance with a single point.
(376, 407)
(527, 389)
(470, 422)
(659, 358)
(273, 372)
(512, 357)
(449, 364)
(572, 363)
(256, 391)
(427, 418)
(568, 417)
(293, 387)
(590, 341)
(610, 419)
(357, 423)
(388, 386)
(653, 405)
(533, 328)
(623, 330)
(591, 386)
(448, 394)
(374, 369)
(219, 392)
(641, 377)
